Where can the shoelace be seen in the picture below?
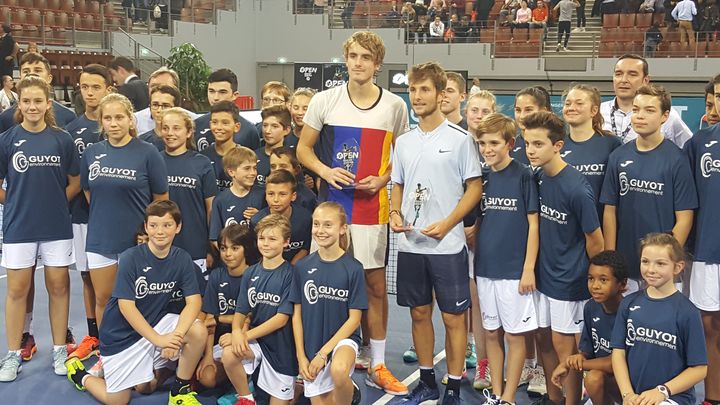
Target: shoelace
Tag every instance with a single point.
(489, 398)
(10, 361)
(483, 367)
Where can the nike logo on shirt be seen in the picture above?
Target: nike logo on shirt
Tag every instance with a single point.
(460, 302)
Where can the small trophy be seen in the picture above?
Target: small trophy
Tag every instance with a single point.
(347, 157)
(421, 196)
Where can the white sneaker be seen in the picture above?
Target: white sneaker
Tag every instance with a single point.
(578, 29)
(97, 369)
(526, 376)
(537, 382)
(557, 48)
(11, 367)
(362, 362)
(60, 356)
(564, 49)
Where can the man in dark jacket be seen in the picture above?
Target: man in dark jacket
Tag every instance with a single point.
(128, 83)
(7, 51)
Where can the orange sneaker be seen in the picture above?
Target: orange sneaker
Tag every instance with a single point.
(87, 348)
(27, 346)
(380, 377)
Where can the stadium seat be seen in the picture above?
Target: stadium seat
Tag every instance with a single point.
(53, 4)
(535, 35)
(92, 7)
(610, 20)
(502, 34)
(4, 13)
(627, 20)
(487, 35)
(79, 6)
(713, 49)
(40, 4)
(643, 20)
(25, 3)
(66, 5)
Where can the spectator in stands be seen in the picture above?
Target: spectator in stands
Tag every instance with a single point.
(581, 20)
(653, 37)
(564, 21)
(420, 8)
(647, 6)
(710, 18)
(7, 51)
(162, 76)
(539, 15)
(475, 86)
(507, 12)
(422, 30)
(683, 13)
(318, 6)
(483, 7)
(127, 6)
(437, 29)
(463, 30)
(128, 83)
(8, 97)
(347, 13)
(407, 14)
(522, 17)
(33, 47)
(393, 17)
(450, 31)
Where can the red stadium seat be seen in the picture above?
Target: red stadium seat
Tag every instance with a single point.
(643, 20)
(627, 20)
(610, 20)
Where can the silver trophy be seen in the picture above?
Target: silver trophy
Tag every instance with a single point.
(421, 195)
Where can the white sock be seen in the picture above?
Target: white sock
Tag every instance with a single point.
(15, 351)
(57, 347)
(248, 396)
(454, 377)
(28, 323)
(530, 363)
(377, 352)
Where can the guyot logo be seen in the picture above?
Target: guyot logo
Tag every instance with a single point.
(313, 292)
(596, 341)
(232, 221)
(630, 335)
(624, 184)
(225, 304)
(80, 146)
(708, 165)
(255, 298)
(21, 163)
(94, 170)
(202, 143)
(143, 288)
(640, 186)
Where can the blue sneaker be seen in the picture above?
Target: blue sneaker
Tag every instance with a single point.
(229, 398)
(410, 355)
(451, 398)
(422, 394)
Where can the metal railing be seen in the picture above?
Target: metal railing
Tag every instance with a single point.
(144, 58)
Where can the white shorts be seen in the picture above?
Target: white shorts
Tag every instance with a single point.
(217, 353)
(560, 316)
(55, 253)
(369, 245)
(278, 385)
(503, 306)
(135, 365)
(705, 286)
(98, 260)
(323, 381)
(79, 238)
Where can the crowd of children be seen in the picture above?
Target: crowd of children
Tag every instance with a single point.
(577, 242)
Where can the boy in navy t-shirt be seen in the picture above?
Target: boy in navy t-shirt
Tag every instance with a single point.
(569, 234)
(284, 158)
(648, 186)
(224, 122)
(280, 196)
(162, 97)
(275, 127)
(222, 86)
(264, 297)
(607, 278)
(238, 203)
(139, 335)
(658, 345)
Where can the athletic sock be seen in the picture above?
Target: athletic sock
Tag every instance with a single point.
(427, 375)
(180, 387)
(79, 377)
(454, 383)
(92, 327)
(248, 396)
(530, 363)
(377, 352)
(28, 323)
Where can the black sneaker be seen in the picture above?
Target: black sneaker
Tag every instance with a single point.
(451, 397)
(356, 395)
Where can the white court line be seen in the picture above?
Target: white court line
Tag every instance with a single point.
(409, 380)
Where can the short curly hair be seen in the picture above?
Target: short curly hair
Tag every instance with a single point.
(614, 260)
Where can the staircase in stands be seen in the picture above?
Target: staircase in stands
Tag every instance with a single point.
(581, 43)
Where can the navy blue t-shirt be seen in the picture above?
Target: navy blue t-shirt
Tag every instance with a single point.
(63, 116)
(590, 158)
(121, 181)
(511, 194)
(305, 197)
(248, 136)
(300, 229)
(567, 213)
(326, 292)
(85, 132)
(153, 138)
(220, 297)
(263, 166)
(646, 188)
(703, 150)
(661, 338)
(263, 294)
(150, 282)
(518, 151)
(191, 180)
(177, 301)
(597, 331)
(223, 180)
(227, 208)
(36, 167)
(291, 141)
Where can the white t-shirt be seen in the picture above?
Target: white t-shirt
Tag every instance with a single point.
(618, 122)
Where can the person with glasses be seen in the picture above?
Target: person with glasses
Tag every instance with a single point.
(273, 93)
(162, 97)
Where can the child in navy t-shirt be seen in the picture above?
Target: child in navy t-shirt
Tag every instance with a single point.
(275, 127)
(263, 296)
(224, 122)
(607, 278)
(238, 203)
(139, 335)
(329, 296)
(658, 344)
(284, 158)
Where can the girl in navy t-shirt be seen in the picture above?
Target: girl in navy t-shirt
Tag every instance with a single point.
(36, 155)
(191, 183)
(658, 342)
(329, 296)
(527, 101)
(120, 176)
